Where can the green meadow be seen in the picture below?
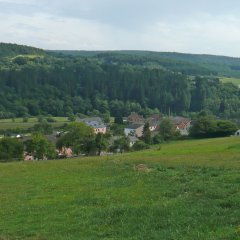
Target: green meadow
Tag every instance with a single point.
(235, 81)
(9, 124)
(180, 190)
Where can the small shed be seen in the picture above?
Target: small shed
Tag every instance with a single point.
(237, 133)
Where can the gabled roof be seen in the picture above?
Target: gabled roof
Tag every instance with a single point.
(135, 117)
(133, 139)
(95, 122)
(178, 119)
(180, 122)
(153, 122)
(134, 126)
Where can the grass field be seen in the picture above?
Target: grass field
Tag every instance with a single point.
(235, 81)
(6, 124)
(187, 190)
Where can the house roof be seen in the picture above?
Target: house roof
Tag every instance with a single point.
(180, 122)
(95, 122)
(134, 126)
(133, 139)
(155, 117)
(93, 119)
(153, 122)
(135, 117)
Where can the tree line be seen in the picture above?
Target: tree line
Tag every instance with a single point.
(63, 86)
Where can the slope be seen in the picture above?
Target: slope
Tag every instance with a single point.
(188, 190)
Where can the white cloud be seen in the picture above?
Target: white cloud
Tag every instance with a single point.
(55, 33)
(203, 33)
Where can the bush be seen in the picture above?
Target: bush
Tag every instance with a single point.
(157, 139)
(25, 120)
(167, 130)
(206, 127)
(11, 149)
(20, 60)
(72, 118)
(43, 127)
(140, 145)
(50, 120)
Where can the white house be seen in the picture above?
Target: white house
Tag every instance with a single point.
(237, 133)
(132, 140)
(96, 123)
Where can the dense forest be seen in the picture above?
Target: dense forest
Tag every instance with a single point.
(60, 83)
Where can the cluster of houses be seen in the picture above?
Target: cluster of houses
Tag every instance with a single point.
(137, 122)
(134, 125)
(134, 129)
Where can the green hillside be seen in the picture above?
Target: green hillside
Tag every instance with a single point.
(8, 49)
(115, 83)
(202, 64)
(183, 190)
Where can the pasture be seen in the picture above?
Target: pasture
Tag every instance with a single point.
(18, 123)
(181, 190)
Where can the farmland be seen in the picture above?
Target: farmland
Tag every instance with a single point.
(179, 190)
(11, 124)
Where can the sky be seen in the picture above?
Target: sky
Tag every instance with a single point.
(189, 26)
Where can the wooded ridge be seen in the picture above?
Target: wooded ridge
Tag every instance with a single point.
(61, 83)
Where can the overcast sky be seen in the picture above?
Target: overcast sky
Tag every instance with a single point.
(192, 26)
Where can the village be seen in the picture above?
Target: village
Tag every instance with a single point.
(133, 131)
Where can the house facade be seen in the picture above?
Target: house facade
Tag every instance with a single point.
(154, 125)
(182, 125)
(134, 130)
(28, 157)
(65, 152)
(132, 140)
(96, 123)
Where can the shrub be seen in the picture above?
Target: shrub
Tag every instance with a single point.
(140, 145)
(50, 120)
(11, 149)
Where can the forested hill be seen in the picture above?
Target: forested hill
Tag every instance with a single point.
(7, 50)
(202, 64)
(60, 83)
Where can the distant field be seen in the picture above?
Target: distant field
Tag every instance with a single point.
(188, 190)
(18, 123)
(235, 81)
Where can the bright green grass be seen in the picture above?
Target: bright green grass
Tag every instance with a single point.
(235, 81)
(192, 192)
(18, 123)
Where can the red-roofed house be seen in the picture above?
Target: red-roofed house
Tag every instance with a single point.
(182, 125)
